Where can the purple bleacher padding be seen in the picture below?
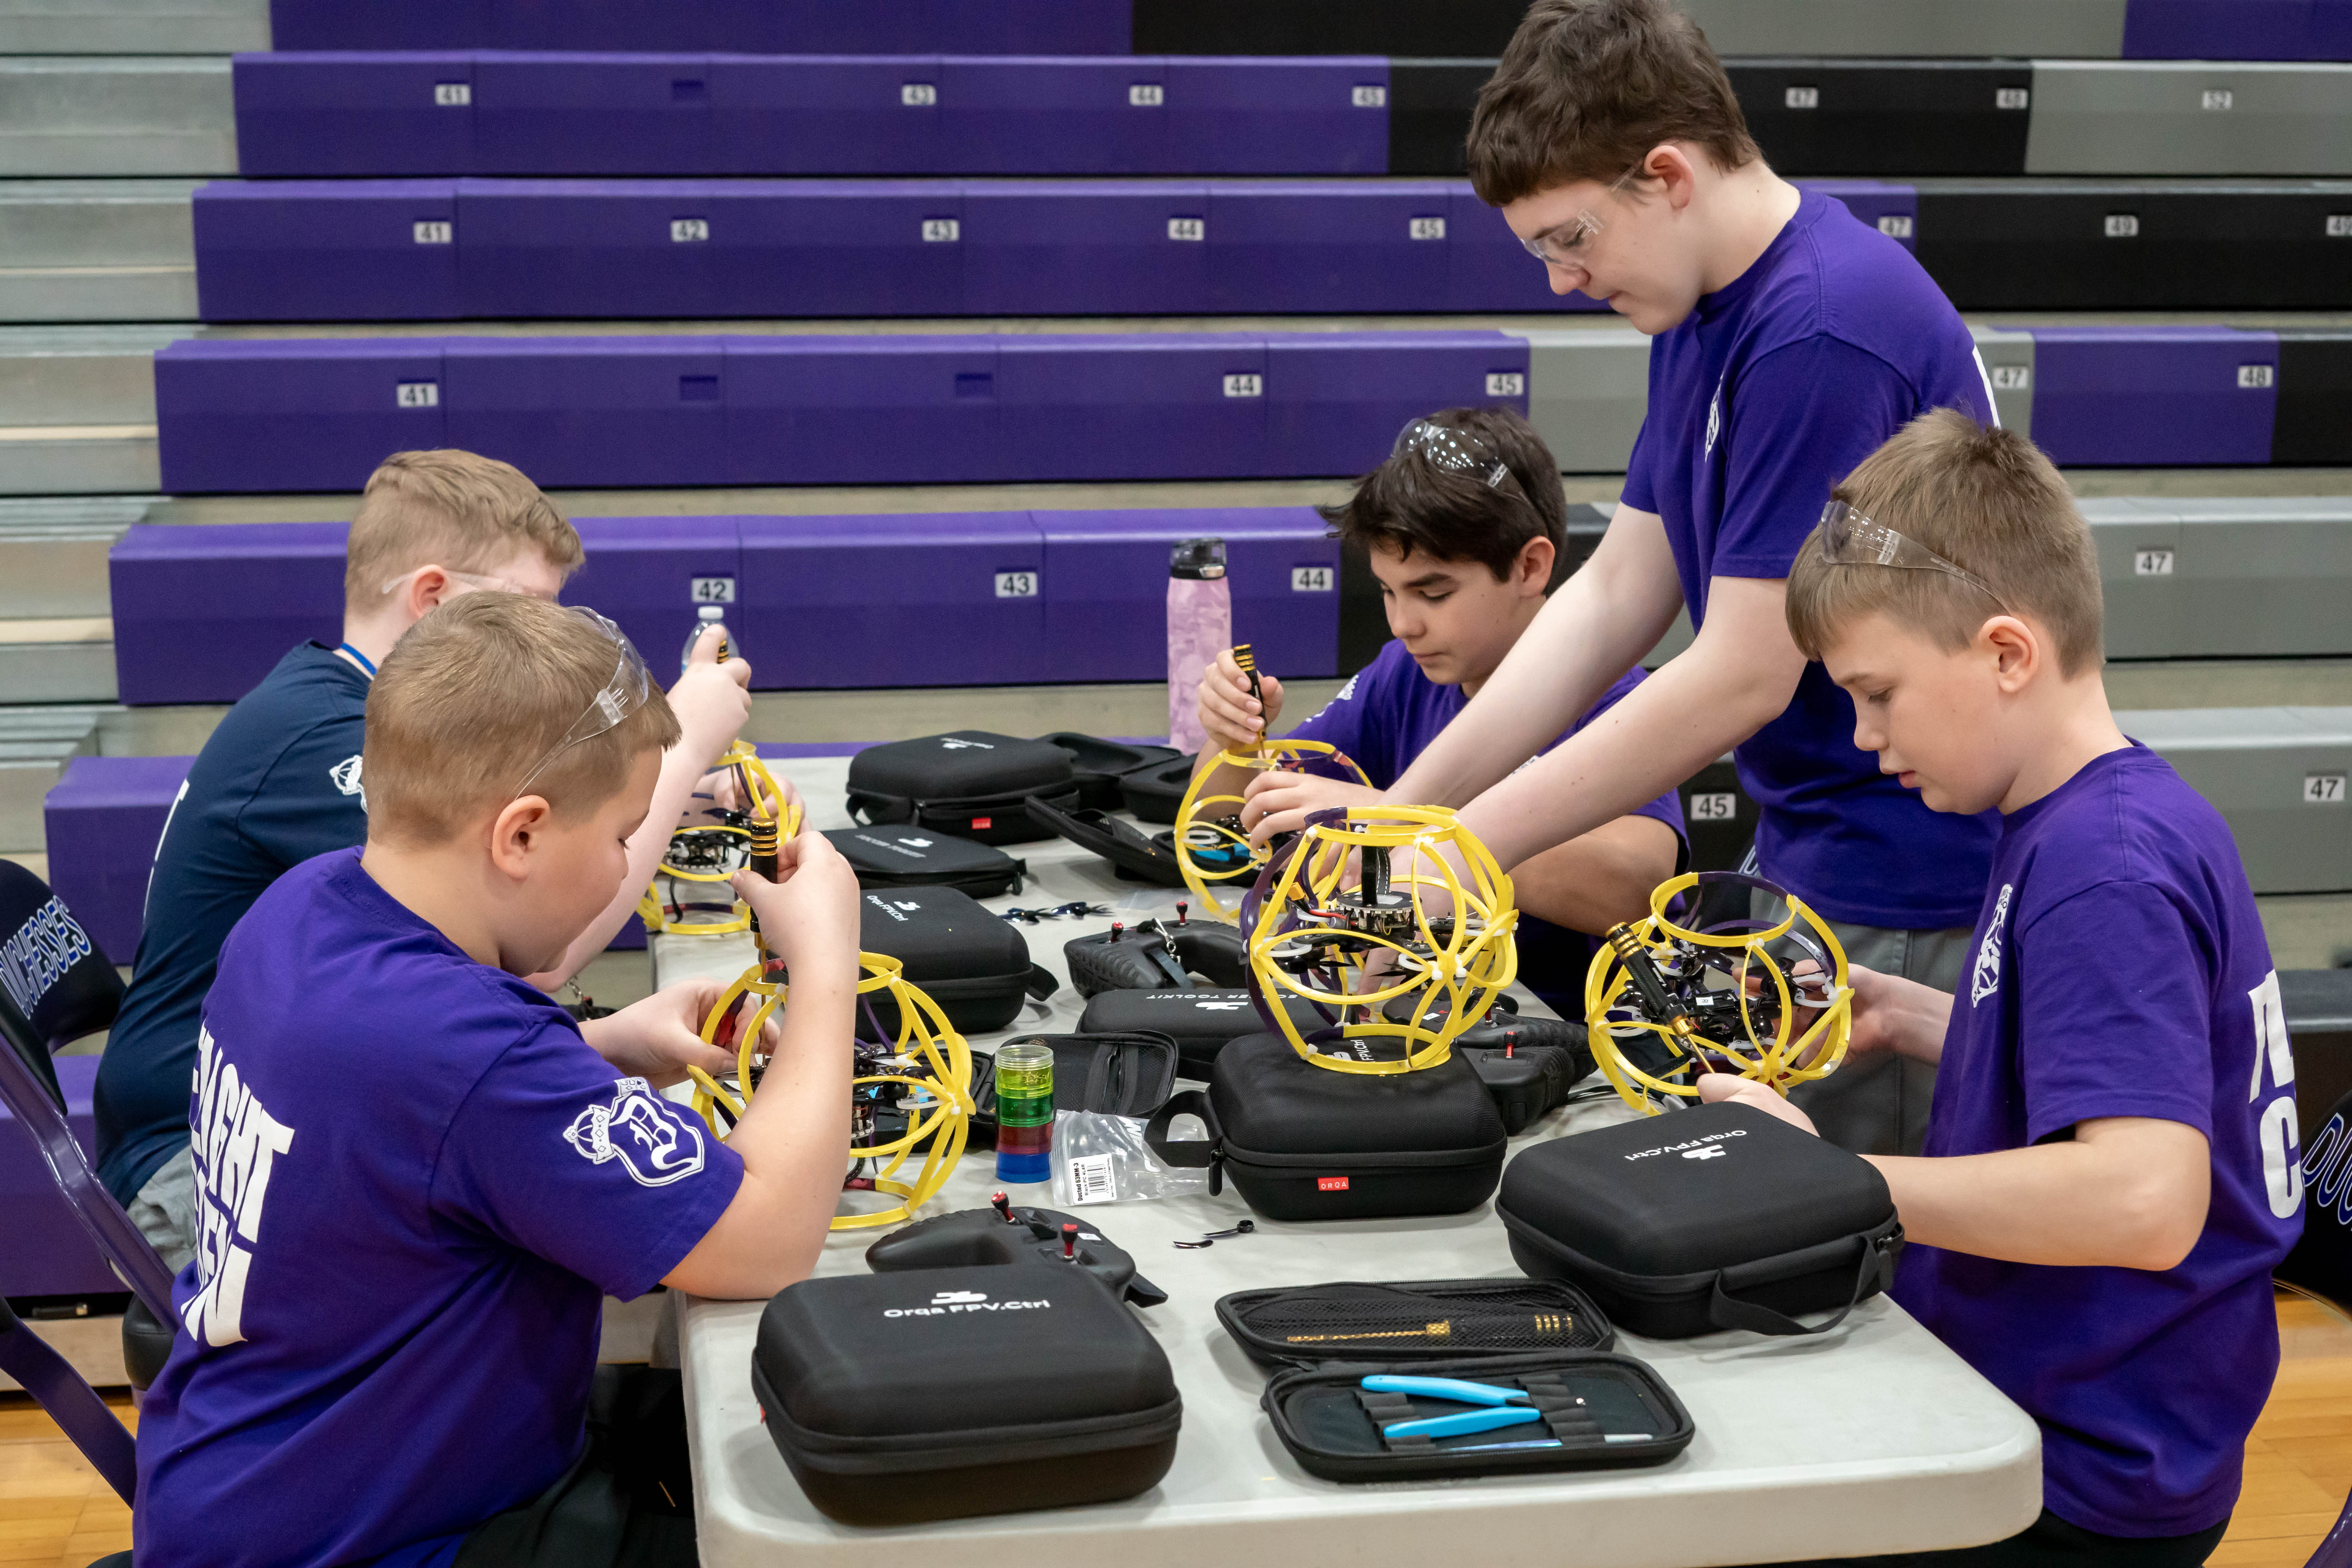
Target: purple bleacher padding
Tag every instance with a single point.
(411, 24)
(847, 410)
(1106, 587)
(593, 114)
(293, 414)
(588, 249)
(953, 599)
(1892, 210)
(102, 820)
(776, 26)
(592, 411)
(825, 114)
(839, 248)
(2154, 396)
(1303, 246)
(1246, 115)
(605, 26)
(201, 614)
(1051, 247)
(1335, 401)
(1489, 269)
(327, 250)
(354, 114)
(991, 26)
(2217, 30)
(2331, 31)
(1163, 406)
(48, 1253)
(1046, 114)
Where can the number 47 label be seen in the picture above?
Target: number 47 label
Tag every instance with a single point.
(2323, 789)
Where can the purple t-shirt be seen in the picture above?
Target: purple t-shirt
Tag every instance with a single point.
(415, 1182)
(1389, 713)
(1766, 396)
(2121, 970)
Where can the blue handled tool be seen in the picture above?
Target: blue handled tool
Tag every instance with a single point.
(1452, 1388)
(1462, 1422)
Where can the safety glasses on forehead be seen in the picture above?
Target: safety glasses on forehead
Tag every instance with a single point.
(1849, 538)
(622, 695)
(1457, 452)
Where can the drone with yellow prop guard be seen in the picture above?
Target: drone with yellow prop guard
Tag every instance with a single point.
(687, 895)
(1666, 1002)
(912, 1085)
(1354, 884)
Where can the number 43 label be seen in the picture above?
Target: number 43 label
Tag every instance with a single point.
(1017, 584)
(2323, 789)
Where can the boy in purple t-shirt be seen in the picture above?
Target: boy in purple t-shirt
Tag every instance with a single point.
(417, 1177)
(1462, 525)
(2111, 1168)
(1789, 340)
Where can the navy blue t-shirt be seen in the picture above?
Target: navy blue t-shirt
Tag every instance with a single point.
(277, 782)
(2121, 970)
(1773, 390)
(415, 1184)
(1389, 713)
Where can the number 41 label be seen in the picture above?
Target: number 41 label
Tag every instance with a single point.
(1017, 584)
(2323, 789)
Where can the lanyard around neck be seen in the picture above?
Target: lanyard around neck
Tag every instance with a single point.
(358, 659)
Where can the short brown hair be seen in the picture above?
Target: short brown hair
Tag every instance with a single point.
(473, 696)
(449, 507)
(1588, 88)
(1985, 500)
(1407, 504)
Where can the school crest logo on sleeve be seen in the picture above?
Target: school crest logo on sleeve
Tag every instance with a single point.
(1987, 979)
(1714, 419)
(654, 1144)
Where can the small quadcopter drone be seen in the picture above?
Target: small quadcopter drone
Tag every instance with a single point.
(1311, 934)
(1665, 1004)
(687, 896)
(911, 1085)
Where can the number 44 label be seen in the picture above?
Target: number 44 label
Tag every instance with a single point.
(1310, 579)
(1017, 584)
(2323, 789)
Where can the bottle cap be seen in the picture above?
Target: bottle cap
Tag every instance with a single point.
(1202, 560)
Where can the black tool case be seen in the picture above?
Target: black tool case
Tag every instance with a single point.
(971, 783)
(946, 1393)
(1098, 765)
(1303, 1143)
(1155, 792)
(1127, 1074)
(904, 856)
(1202, 1021)
(1134, 855)
(973, 964)
(1722, 1216)
(1367, 1321)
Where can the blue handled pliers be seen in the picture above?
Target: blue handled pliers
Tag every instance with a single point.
(1504, 1406)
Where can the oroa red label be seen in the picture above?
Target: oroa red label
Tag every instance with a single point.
(1330, 1183)
(983, 822)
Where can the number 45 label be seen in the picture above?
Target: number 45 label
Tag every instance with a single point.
(1017, 584)
(2323, 789)
(1722, 806)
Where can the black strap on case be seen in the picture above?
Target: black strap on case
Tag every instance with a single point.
(1191, 1153)
(1876, 1268)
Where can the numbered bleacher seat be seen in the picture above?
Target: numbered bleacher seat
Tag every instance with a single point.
(2154, 395)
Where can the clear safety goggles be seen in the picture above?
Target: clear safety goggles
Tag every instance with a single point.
(471, 580)
(1569, 243)
(622, 695)
(1849, 538)
(1457, 452)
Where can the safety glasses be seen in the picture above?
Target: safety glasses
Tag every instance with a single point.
(1849, 538)
(1569, 243)
(471, 580)
(1457, 452)
(622, 695)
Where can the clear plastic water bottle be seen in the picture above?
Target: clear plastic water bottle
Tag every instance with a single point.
(1200, 627)
(706, 617)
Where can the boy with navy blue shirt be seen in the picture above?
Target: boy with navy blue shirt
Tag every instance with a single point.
(2111, 1170)
(1462, 526)
(417, 1178)
(1789, 340)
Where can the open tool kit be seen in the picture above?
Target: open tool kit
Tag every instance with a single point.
(1451, 1377)
(931, 1394)
(971, 783)
(1722, 1216)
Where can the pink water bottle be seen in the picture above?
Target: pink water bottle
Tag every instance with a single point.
(1200, 627)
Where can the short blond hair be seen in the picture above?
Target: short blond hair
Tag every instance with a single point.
(476, 695)
(449, 507)
(1988, 501)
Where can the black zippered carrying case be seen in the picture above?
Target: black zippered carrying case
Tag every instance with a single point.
(1202, 1021)
(948, 1393)
(973, 784)
(1304, 1143)
(1153, 792)
(910, 856)
(1134, 855)
(1098, 765)
(973, 964)
(1722, 1216)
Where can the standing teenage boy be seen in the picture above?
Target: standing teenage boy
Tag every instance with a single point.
(2112, 1170)
(1462, 525)
(417, 1177)
(1789, 341)
(279, 780)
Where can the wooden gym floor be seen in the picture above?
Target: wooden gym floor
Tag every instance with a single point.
(55, 1509)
